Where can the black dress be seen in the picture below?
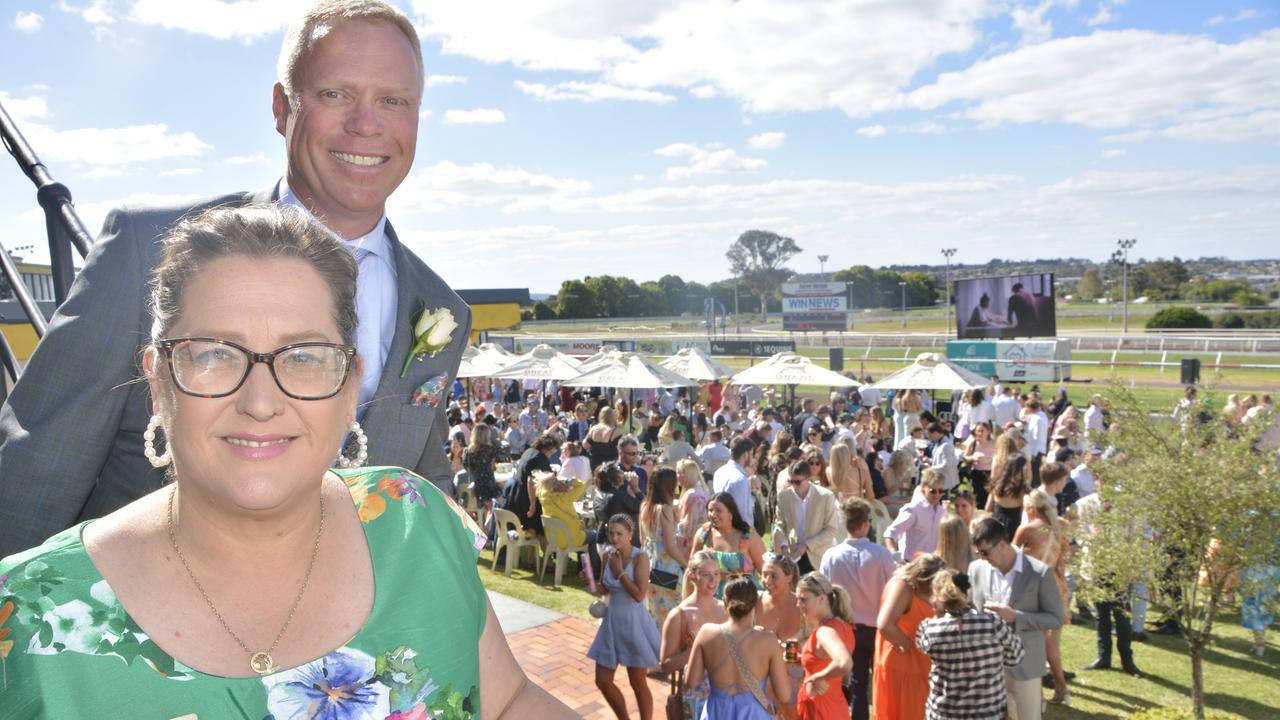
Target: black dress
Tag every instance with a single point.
(603, 452)
(1010, 518)
(520, 501)
(479, 463)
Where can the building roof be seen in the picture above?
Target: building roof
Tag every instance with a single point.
(495, 296)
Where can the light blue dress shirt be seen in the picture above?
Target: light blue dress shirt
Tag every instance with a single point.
(375, 297)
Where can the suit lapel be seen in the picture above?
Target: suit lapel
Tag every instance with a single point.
(1022, 582)
(398, 427)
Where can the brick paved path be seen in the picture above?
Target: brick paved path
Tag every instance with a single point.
(554, 655)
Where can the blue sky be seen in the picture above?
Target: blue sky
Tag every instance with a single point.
(562, 138)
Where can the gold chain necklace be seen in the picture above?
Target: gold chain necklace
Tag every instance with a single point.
(260, 662)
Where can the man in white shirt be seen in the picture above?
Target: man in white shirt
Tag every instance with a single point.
(1006, 408)
(845, 430)
(862, 568)
(808, 519)
(943, 458)
(870, 396)
(1094, 424)
(1037, 434)
(1083, 476)
(915, 530)
(733, 478)
(715, 454)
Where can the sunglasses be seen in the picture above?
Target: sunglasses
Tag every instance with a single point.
(934, 491)
(983, 553)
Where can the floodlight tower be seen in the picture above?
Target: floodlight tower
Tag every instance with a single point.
(947, 253)
(822, 263)
(1121, 255)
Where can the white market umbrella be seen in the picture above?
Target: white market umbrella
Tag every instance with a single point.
(931, 371)
(543, 362)
(483, 361)
(630, 371)
(788, 368)
(606, 354)
(696, 365)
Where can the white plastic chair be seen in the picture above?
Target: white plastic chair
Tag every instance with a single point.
(560, 544)
(506, 523)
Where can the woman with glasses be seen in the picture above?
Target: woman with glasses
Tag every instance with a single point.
(900, 682)
(207, 594)
(827, 655)
(699, 607)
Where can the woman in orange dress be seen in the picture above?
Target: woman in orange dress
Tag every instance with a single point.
(827, 654)
(900, 682)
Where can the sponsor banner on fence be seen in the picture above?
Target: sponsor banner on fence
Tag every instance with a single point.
(572, 346)
(1008, 358)
(751, 348)
(815, 306)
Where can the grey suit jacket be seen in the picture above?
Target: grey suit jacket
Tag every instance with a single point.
(71, 430)
(1035, 596)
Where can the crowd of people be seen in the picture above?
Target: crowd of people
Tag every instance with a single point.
(901, 556)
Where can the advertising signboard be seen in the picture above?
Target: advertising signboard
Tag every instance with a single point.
(815, 306)
(751, 348)
(572, 346)
(1009, 358)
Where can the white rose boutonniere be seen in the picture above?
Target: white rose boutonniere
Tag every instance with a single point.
(432, 332)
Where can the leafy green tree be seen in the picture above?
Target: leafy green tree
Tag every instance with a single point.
(1090, 285)
(922, 289)
(1223, 290)
(864, 290)
(759, 257)
(1160, 278)
(575, 300)
(1181, 496)
(543, 311)
(1248, 298)
(1179, 317)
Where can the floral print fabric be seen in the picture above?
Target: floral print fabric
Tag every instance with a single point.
(68, 649)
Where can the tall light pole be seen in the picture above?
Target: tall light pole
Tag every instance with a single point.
(902, 284)
(1122, 256)
(737, 318)
(822, 263)
(947, 253)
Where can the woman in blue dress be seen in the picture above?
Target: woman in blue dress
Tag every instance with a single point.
(628, 635)
(740, 660)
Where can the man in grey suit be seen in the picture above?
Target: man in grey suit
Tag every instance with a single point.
(350, 83)
(1023, 592)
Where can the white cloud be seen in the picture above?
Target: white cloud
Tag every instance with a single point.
(1114, 153)
(1207, 90)
(591, 92)
(920, 128)
(447, 185)
(246, 20)
(767, 140)
(707, 160)
(479, 116)
(179, 172)
(443, 80)
(95, 13)
(105, 172)
(100, 148)
(770, 55)
(1032, 23)
(257, 158)
(872, 131)
(1243, 15)
(28, 22)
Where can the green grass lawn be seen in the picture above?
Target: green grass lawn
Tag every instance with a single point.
(1236, 683)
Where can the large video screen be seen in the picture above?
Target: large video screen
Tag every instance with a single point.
(1005, 307)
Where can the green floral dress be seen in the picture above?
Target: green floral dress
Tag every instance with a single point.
(69, 650)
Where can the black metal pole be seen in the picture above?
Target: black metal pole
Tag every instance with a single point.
(10, 362)
(21, 292)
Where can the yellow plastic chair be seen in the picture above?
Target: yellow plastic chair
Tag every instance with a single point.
(506, 523)
(560, 544)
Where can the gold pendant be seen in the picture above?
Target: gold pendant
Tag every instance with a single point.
(262, 663)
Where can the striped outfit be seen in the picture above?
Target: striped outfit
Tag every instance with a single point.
(969, 651)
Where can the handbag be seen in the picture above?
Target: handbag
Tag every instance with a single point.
(675, 701)
(664, 579)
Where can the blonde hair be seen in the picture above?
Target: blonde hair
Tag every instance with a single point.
(953, 542)
(1046, 506)
(690, 473)
(306, 31)
(907, 401)
(697, 561)
(815, 583)
(947, 593)
(840, 471)
(609, 417)
(919, 572)
(480, 436)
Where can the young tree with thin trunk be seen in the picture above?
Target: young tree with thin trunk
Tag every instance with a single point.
(759, 257)
(1179, 498)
